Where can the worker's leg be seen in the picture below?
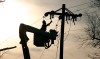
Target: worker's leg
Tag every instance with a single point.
(22, 33)
(26, 28)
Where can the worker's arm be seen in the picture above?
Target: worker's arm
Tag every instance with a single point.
(49, 23)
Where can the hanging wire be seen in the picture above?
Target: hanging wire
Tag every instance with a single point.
(82, 9)
(56, 52)
(15, 34)
(7, 39)
(58, 34)
(81, 4)
(3, 53)
(42, 54)
(57, 40)
(57, 47)
(56, 25)
(68, 31)
(37, 21)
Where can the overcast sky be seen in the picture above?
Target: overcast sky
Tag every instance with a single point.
(14, 12)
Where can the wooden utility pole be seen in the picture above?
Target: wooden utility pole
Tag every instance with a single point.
(62, 32)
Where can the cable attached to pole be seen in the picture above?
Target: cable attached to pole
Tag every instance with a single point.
(42, 54)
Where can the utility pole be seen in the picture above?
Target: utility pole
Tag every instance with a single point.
(62, 32)
(62, 16)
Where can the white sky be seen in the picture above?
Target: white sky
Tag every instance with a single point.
(14, 12)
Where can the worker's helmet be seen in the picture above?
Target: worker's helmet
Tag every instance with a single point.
(44, 22)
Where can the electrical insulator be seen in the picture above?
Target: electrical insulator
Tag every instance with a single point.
(80, 15)
(74, 17)
(60, 17)
(52, 13)
(46, 14)
(50, 16)
(67, 19)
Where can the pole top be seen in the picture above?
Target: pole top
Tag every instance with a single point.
(64, 4)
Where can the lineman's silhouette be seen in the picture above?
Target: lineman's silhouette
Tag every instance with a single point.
(44, 25)
(26, 28)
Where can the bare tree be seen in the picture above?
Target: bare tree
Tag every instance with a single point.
(4, 50)
(93, 28)
(95, 4)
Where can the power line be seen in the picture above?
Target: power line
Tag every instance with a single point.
(68, 31)
(3, 53)
(80, 4)
(37, 20)
(56, 51)
(57, 48)
(7, 39)
(56, 25)
(82, 9)
(15, 34)
(42, 18)
(42, 54)
(75, 11)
